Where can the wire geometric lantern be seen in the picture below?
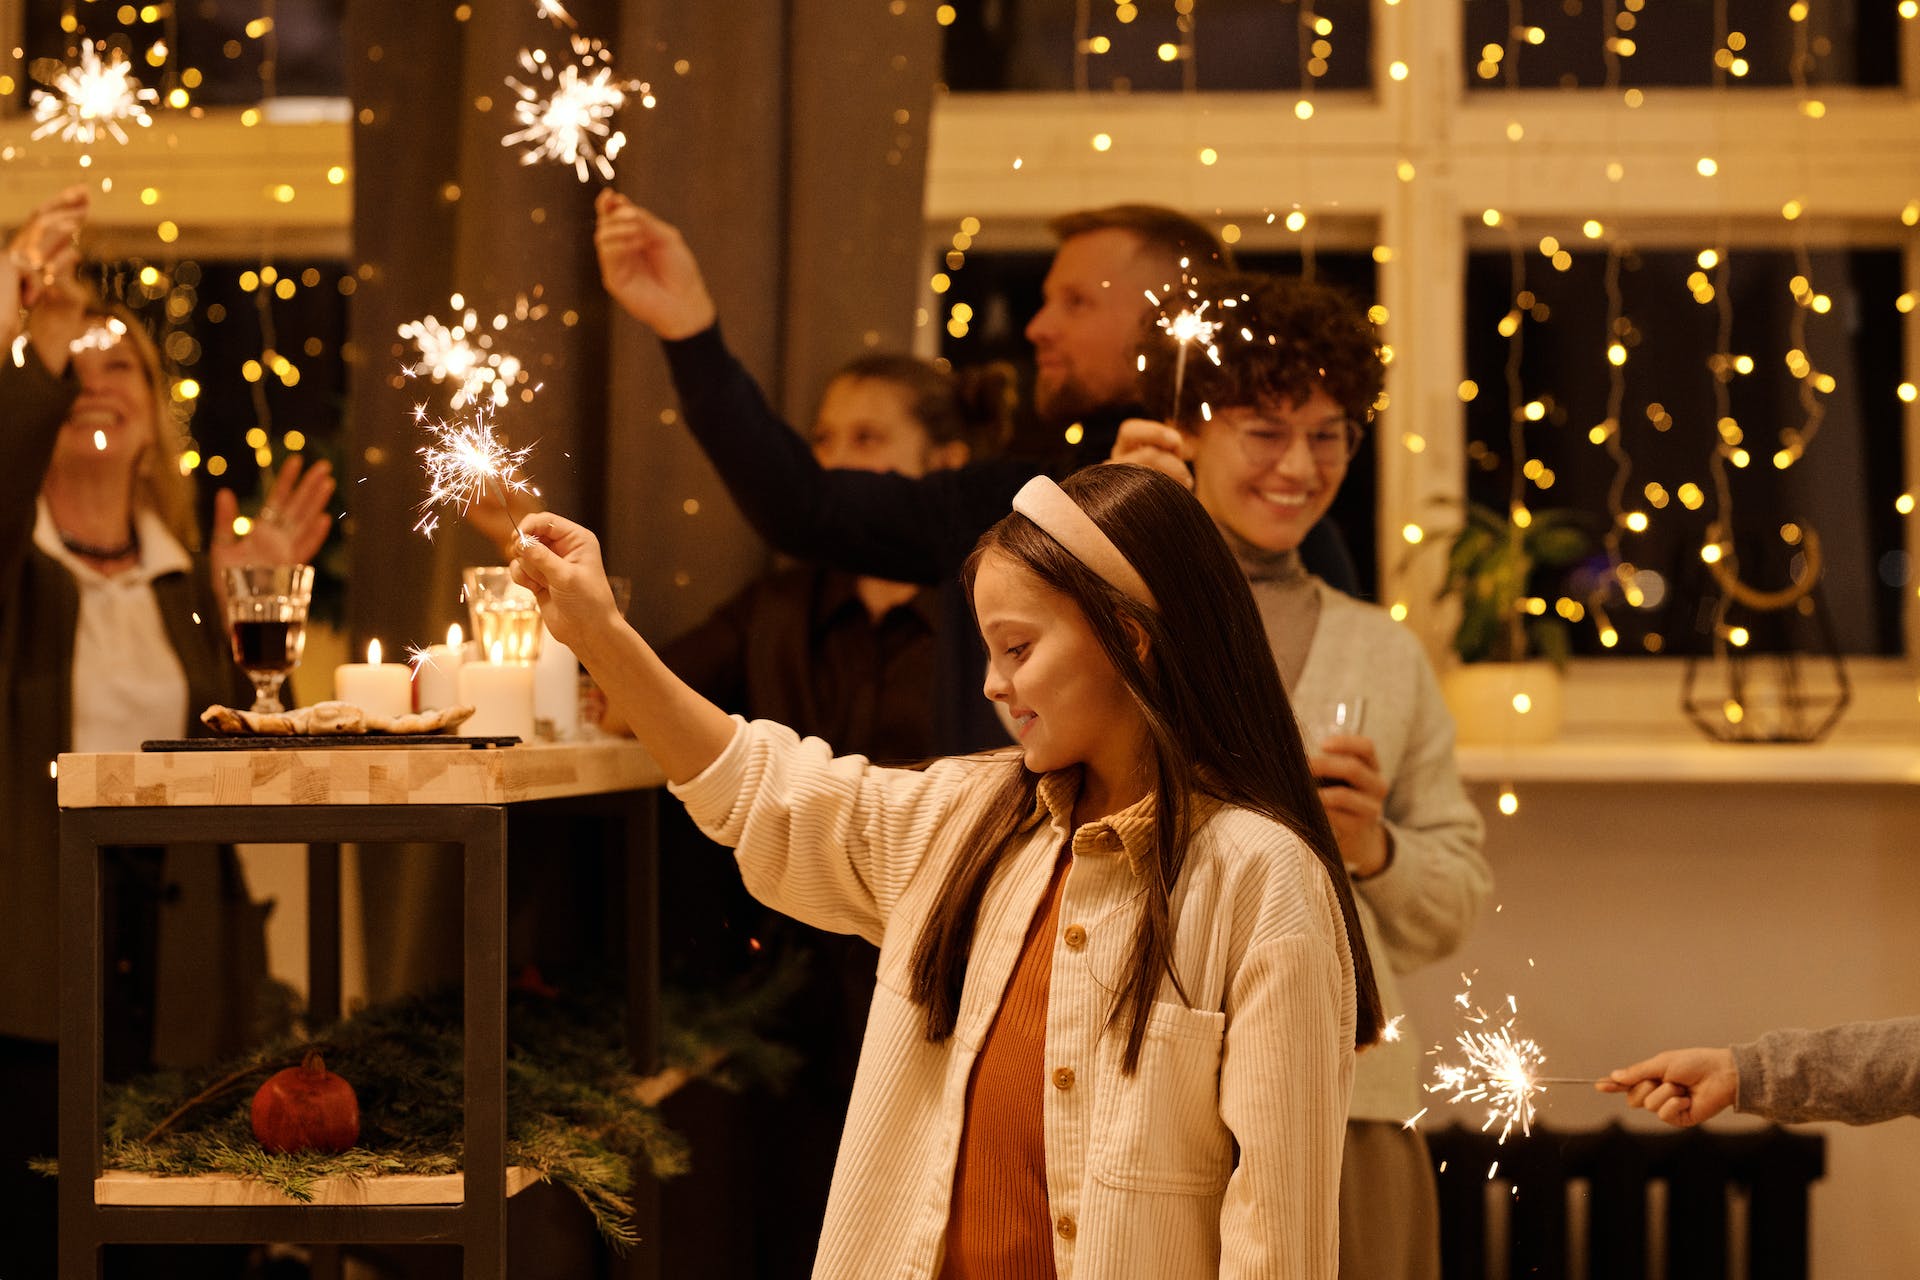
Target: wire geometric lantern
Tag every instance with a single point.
(1738, 695)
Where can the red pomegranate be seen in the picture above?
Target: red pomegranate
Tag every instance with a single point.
(306, 1108)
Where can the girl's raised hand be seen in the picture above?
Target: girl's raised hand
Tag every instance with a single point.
(559, 561)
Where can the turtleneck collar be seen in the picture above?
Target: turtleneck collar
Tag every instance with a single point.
(1261, 565)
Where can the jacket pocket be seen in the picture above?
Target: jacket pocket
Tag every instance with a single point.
(1159, 1129)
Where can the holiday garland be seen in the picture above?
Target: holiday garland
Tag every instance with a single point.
(577, 1113)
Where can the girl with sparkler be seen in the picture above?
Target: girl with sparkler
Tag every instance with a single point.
(110, 633)
(1121, 976)
(1269, 429)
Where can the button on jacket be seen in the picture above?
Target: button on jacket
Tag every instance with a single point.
(1220, 1156)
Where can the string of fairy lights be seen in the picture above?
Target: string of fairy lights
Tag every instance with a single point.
(564, 101)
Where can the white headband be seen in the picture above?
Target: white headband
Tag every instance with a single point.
(1060, 517)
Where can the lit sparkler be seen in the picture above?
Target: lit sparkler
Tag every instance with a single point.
(566, 113)
(95, 96)
(1501, 1068)
(554, 12)
(462, 459)
(1187, 327)
(461, 355)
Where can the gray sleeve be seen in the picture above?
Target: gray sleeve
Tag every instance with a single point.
(1857, 1073)
(1426, 900)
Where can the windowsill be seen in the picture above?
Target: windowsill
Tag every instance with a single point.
(1868, 760)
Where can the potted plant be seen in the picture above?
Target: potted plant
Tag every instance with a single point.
(1511, 643)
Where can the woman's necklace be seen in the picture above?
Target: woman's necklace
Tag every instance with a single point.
(87, 551)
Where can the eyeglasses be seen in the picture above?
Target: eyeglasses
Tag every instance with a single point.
(1329, 444)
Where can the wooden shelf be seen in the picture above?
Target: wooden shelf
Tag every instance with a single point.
(1683, 760)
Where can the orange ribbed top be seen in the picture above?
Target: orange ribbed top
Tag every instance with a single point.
(1000, 1225)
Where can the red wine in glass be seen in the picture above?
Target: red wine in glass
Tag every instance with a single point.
(267, 622)
(264, 646)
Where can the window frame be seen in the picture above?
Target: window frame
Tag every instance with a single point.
(1341, 165)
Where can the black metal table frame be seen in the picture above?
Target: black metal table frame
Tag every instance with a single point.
(479, 1224)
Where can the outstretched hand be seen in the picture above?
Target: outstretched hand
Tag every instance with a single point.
(1155, 444)
(290, 529)
(648, 269)
(1683, 1087)
(559, 561)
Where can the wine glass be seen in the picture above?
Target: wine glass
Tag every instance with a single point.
(267, 620)
(505, 615)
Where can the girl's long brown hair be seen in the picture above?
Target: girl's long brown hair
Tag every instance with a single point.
(1218, 722)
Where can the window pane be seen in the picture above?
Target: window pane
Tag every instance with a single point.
(1853, 42)
(210, 45)
(1844, 488)
(1002, 292)
(1236, 45)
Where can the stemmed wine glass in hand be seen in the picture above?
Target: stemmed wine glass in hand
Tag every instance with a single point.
(267, 620)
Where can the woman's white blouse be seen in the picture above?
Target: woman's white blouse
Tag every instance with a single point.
(128, 683)
(1219, 1157)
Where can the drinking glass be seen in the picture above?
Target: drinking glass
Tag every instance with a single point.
(506, 617)
(267, 622)
(1345, 717)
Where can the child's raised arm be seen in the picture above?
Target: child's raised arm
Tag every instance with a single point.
(560, 562)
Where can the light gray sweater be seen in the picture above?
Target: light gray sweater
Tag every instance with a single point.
(1857, 1073)
(1420, 908)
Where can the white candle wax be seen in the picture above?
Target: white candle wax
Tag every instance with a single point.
(501, 695)
(381, 688)
(436, 677)
(556, 689)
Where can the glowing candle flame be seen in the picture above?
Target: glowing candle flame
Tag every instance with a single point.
(98, 95)
(463, 457)
(566, 114)
(373, 653)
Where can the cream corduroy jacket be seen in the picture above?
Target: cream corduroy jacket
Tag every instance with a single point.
(1219, 1157)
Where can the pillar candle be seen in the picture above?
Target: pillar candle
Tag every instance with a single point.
(556, 690)
(381, 688)
(501, 695)
(436, 679)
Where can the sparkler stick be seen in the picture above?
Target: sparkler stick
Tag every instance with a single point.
(1187, 328)
(462, 459)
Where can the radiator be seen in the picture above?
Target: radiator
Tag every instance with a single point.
(1626, 1204)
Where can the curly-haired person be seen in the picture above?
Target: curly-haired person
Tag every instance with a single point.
(1269, 430)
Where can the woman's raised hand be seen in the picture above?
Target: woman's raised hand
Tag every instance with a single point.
(292, 525)
(647, 267)
(559, 561)
(42, 254)
(1147, 443)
